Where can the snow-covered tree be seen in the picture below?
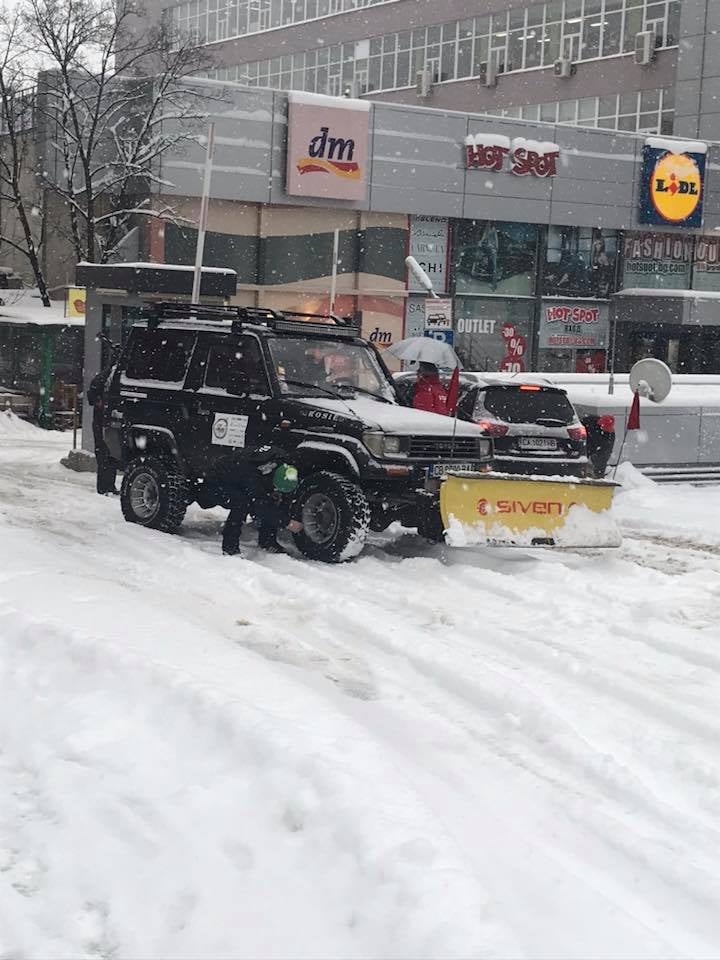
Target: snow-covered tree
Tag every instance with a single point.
(22, 225)
(108, 95)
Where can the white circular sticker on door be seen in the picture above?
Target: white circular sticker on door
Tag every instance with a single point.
(220, 429)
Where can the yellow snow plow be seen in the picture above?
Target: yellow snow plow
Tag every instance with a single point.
(508, 510)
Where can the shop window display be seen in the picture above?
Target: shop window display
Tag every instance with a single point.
(494, 257)
(492, 334)
(580, 262)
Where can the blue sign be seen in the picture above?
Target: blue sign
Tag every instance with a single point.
(672, 185)
(441, 334)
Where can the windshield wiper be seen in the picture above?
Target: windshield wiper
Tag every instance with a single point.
(369, 393)
(312, 386)
(550, 421)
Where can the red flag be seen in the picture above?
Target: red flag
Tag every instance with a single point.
(634, 417)
(453, 391)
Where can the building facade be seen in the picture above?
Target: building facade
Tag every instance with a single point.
(556, 246)
(633, 65)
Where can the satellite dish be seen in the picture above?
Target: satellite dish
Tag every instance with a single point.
(651, 378)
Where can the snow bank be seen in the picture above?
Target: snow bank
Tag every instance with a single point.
(12, 426)
(630, 478)
(163, 795)
(426, 753)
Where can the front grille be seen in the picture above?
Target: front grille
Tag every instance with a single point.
(444, 448)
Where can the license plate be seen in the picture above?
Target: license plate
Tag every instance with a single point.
(537, 443)
(440, 469)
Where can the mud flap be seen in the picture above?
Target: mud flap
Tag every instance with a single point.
(508, 510)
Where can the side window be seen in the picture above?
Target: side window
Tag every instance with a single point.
(235, 365)
(162, 355)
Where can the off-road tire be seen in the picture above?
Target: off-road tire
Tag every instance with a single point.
(165, 509)
(429, 521)
(336, 517)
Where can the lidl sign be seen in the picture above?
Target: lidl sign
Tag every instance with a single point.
(673, 183)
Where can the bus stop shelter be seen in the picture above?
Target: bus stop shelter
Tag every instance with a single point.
(115, 294)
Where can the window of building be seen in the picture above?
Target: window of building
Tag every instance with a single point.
(647, 111)
(520, 39)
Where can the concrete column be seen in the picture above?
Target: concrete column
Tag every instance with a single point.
(92, 362)
(690, 95)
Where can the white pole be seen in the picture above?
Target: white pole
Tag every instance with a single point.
(611, 350)
(420, 275)
(333, 282)
(202, 221)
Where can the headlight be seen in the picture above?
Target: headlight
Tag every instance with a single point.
(381, 445)
(373, 440)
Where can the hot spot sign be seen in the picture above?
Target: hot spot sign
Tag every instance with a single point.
(488, 151)
(573, 325)
(672, 182)
(327, 153)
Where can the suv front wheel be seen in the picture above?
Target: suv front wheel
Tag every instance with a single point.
(335, 516)
(154, 494)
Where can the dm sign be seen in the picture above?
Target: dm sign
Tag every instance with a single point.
(327, 153)
(673, 182)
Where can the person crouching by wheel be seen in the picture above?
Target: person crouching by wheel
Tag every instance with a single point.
(260, 483)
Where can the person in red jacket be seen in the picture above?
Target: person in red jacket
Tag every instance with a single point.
(429, 393)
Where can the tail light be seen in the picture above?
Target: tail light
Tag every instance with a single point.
(606, 423)
(492, 428)
(577, 433)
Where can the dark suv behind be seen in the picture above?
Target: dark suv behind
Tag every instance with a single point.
(195, 385)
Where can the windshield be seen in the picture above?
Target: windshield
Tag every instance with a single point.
(513, 405)
(328, 367)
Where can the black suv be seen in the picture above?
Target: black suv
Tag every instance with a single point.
(195, 384)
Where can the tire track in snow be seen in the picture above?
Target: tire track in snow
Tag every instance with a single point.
(631, 795)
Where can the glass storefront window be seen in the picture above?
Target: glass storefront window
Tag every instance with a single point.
(494, 257)
(706, 264)
(657, 260)
(580, 262)
(493, 334)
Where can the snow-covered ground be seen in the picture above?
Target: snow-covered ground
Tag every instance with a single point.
(425, 753)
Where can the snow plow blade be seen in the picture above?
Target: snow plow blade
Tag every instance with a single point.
(509, 510)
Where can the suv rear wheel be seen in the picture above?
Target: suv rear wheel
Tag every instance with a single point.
(335, 516)
(154, 494)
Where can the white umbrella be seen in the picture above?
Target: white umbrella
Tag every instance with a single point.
(425, 350)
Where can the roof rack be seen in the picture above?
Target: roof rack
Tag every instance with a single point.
(288, 321)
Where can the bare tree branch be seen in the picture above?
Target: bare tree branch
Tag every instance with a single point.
(14, 149)
(112, 102)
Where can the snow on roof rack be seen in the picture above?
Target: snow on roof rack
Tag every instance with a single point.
(288, 321)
